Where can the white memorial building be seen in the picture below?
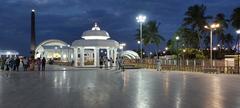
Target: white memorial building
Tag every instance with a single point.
(86, 52)
(94, 45)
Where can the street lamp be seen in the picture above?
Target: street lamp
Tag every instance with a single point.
(166, 48)
(177, 39)
(212, 27)
(150, 53)
(138, 42)
(184, 50)
(122, 45)
(238, 33)
(68, 57)
(141, 19)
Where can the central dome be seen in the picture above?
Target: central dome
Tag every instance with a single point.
(95, 34)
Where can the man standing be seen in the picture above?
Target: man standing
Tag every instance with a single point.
(17, 63)
(43, 64)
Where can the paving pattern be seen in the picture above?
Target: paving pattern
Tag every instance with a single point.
(96, 88)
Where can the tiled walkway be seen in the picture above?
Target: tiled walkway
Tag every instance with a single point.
(95, 88)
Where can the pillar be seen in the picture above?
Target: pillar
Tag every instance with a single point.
(97, 57)
(115, 56)
(33, 34)
(75, 56)
(108, 55)
(81, 56)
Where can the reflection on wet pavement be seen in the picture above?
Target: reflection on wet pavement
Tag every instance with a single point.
(95, 88)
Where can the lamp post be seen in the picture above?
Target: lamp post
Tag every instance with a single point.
(212, 27)
(238, 33)
(150, 54)
(177, 39)
(68, 53)
(122, 45)
(184, 50)
(141, 19)
(138, 42)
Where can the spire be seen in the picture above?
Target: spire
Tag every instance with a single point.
(95, 24)
(96, 27)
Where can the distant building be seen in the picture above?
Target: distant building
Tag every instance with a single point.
(54, 49)
(8, 53)
(85, 52)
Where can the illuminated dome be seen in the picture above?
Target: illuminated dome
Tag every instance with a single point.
(95, 34)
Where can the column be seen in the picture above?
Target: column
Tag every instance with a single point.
(108, 55)
(115, 56)
(81, 56)
(97, 57)
(75, 55)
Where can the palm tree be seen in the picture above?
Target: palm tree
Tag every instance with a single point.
(151, 34)
(196, 19)
(220, 32)
(228, 40)
(188, 37)
(235, 18)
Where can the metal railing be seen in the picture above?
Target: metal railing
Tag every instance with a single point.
(222, 66)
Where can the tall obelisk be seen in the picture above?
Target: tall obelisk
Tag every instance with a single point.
(33, 33)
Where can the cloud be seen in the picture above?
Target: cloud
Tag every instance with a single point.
(67, 19)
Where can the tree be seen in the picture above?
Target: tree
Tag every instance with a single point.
(187, 37)
(196, 19)
(191, 53)
(151, 34)
(220, 32)
(228, 40)
(235, 18)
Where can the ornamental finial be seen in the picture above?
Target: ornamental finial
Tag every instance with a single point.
(95, 26)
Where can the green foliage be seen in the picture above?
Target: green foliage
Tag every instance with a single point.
(195, 19)
(220, 32)
(191, 53)
(228, 40)
(235, 18)
(150, 34)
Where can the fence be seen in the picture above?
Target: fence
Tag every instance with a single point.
(222, 66)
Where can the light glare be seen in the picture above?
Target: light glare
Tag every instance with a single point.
(238, 31)
(141, 18)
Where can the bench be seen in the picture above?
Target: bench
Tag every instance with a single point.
(211, 70)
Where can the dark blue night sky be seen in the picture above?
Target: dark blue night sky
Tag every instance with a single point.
(67, 19)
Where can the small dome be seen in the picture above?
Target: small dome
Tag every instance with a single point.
(95, 34)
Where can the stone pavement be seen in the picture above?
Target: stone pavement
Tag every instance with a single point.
(96, 88)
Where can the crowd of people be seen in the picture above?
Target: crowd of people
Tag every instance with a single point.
(104, 62)
(13, 63)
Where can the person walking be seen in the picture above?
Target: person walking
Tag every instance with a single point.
(17, 63)
(111, 62)
(12, 64)
(39, 62)
(106, 62)
(25, 64)
(7, 64)
(3, 64)
(101, 62)
(43, 64)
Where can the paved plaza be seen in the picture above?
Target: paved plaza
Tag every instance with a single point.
(66, 87)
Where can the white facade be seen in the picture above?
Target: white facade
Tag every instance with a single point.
(8, 53)
(93, 46)
(85, 52)
(54, 49)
